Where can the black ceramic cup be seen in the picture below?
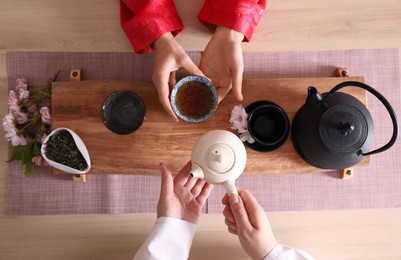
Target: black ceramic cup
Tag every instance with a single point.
(123, 112)
(194, 99)
(268, 124)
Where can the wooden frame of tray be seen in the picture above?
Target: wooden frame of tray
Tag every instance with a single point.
(77, 105)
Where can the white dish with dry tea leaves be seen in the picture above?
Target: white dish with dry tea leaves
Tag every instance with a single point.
(63, 149)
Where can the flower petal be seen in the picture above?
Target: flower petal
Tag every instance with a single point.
(246, 137)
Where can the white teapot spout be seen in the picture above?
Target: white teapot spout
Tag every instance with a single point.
(197, 171)
(230, 187)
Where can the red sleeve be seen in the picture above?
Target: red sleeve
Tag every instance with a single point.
(240, 15)
(143, 21)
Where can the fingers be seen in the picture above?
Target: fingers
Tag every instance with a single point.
(204, 194)
(164, 84)
(237, 83)
(225, 199)
(163, 90)
(183, 175)
(230, 219)
(165, 102)
(167, 187)
(191, 68)
(191, 182)
(228, 211)
(200, 189)
(197, 187)
(255, 212)
(172, 80)
(247, 212)
(240, 213)
(228, 214)
(232, 228)
(222, 92)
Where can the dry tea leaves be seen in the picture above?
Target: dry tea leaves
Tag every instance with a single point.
(61, 148)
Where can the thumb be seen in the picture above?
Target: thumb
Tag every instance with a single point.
(191, 68)
(161, 81)
(167, 186)
(237, 85)
(240, 214)
(222, 92)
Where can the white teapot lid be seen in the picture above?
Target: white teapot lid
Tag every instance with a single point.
(220, 158)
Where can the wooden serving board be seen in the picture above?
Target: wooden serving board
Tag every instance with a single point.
(77, 105)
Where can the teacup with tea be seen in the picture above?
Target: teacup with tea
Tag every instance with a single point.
(194, 99)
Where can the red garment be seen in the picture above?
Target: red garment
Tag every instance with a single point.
(146, 20)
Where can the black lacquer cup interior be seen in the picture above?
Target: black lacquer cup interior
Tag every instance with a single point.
(268, 124)
(123, 112)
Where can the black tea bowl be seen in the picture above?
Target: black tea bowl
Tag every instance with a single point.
(123, 112)
(268, 124)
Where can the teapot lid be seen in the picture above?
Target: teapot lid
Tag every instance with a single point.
(343, 128)
(220, 158)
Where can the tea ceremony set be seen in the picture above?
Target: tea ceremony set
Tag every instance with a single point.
(85, 138)
(332, 130)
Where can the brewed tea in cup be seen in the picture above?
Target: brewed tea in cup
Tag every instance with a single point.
(194, 99)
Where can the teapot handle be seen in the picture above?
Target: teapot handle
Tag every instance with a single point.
(386, 105)
(230, 187)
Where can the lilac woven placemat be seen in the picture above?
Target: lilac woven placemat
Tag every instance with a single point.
(375, 186)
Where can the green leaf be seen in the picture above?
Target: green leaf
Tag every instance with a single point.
(18, 153)
(27, 164)
(35, 148)
(27, 168)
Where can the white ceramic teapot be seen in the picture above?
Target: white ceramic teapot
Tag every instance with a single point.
(219, 157)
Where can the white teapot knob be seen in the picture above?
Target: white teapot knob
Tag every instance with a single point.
(220, 158)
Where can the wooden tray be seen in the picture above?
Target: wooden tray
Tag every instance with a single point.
(77, 105)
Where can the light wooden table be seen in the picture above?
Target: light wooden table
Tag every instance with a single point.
(47, 25)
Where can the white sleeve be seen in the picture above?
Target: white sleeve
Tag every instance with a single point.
(285, 252)
(170, 238)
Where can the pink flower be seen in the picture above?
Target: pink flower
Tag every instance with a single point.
(15, 139)
(11, 132)
(21, 84)
(13, 102)
(239, 118)
(239, 122)
(8, 122)
(23, 93)
(21, 117)
(246, 137)
(39, 161)
(45, 113)
(25, 126)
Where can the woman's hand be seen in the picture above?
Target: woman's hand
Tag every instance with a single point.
(222, 62)
(245, 218)
(182, 197)
(170, 56)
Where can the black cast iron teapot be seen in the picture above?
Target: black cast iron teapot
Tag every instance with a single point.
(334, 130)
